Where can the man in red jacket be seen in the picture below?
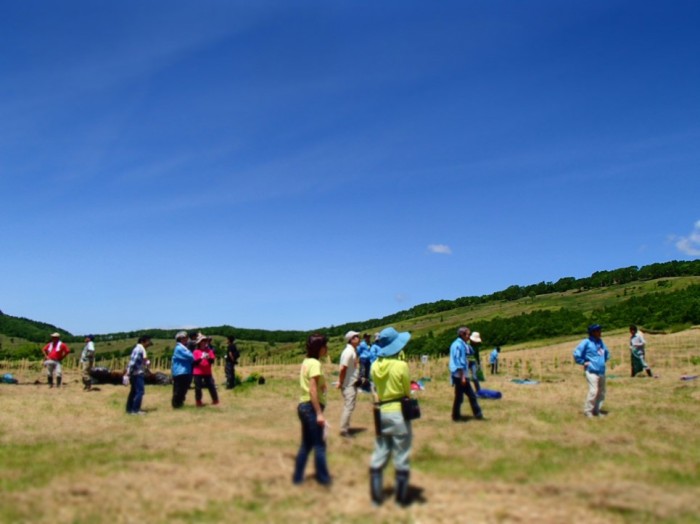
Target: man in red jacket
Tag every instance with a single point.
(54, 352)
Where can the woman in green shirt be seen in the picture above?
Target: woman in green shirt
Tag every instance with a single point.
(392, 382)
(311, 405)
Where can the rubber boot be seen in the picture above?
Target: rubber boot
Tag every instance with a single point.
(375, 486)
(50, 381)
(402, 487)
(58, 381)
(649, 372)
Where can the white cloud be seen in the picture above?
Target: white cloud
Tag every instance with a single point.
(440, 249)
(690, 245)
(401, 298)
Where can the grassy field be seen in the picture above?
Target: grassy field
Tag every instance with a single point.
(75, 457)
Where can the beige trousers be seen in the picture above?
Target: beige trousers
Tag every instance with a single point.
(350, 399)
(596, 394)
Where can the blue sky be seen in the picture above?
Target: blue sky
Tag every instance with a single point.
(292, 165)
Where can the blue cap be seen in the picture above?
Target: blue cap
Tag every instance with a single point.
(594, 327)
(391, 342)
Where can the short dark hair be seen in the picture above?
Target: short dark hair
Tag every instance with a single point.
(231, 338)
(632, 326)
(314, 344)
(144, 338)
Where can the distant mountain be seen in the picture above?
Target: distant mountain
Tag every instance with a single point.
(564, 305)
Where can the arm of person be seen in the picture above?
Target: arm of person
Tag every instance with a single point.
(341, 376)
(579, 354)
(313, 394)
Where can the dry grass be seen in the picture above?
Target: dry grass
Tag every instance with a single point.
(70, 456)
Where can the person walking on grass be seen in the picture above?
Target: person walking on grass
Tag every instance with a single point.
(493, 360)
(134, 376)
(54, 352)
(182, 362)
(638, 352)
(347, 381)
(232, 356)
(392, 383)
(204, 359)
(459, 374)
(592, 354)
(310, 411)
(87, 360)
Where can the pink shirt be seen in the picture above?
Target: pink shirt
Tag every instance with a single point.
(204, 366)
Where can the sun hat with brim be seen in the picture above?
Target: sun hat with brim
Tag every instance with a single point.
(202, 337)
(475, 337)
(390, 342)
(55, 335)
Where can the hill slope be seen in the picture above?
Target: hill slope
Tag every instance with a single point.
(658, 296)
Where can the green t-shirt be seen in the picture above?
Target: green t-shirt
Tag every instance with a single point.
(311, 368)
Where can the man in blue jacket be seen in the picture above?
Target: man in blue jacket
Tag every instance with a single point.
(460, 351)
(181, 369)
(592, 354)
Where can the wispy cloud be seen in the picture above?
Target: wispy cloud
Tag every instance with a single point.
(440, 249)
(690, 245)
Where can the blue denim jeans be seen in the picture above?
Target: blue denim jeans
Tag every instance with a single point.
(311, 440)
(138, 388)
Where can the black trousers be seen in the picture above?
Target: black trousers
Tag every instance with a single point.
(460, 391)
(181, 384)
(230, 370)
(205, 381)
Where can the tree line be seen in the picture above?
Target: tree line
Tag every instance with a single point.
(653, 311)
(38, 332)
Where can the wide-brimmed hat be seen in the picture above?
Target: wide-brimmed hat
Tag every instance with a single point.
(201, 337)
(475, 337)
(390, 341)
(55, 334)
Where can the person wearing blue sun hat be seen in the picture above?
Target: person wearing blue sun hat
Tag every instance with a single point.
(592, 354)
(392, 382)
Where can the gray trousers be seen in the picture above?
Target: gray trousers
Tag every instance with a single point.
(53, 367)
(395, 440)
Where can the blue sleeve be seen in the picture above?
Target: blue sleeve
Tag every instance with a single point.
(580, 353)
(183, 354)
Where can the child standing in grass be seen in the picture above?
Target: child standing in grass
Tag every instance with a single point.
(204, 358)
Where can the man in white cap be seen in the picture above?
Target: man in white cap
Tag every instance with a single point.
(347, 382)
(55, 351)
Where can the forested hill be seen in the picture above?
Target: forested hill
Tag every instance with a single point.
(28, 329)
(520, 322)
